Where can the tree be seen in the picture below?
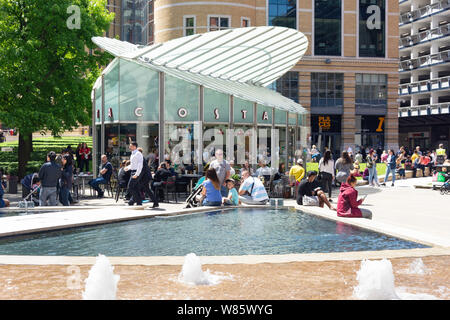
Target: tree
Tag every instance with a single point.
(48, 65)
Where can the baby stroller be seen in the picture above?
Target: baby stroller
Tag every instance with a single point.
(192, 201)
(445, 188)
(29, 193)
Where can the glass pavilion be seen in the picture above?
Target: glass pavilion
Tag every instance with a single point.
(167, 96)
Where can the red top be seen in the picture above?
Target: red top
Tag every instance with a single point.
(84, 152)
(347, 205)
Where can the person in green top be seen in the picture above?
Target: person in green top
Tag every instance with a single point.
(233, 197)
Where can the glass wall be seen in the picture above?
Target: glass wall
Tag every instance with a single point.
(327, 27)
(283, 13)
(371, 90)
(372, 17)
(139, 93)
(135, 21)
(112, 92)
(327, 89)
(181, 100)
(216, 106)
(287, 85)
(132, 114)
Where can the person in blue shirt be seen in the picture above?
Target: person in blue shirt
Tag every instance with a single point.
(210, 194)
(3, 202)
(233, 196)
(391, 164)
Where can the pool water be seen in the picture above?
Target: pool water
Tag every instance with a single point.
(223, 232)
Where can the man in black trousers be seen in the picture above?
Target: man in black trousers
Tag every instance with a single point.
(144, 181)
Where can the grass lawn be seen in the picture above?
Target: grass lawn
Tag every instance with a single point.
(381, 168)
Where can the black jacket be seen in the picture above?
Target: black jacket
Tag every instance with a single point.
(49, 174)
(161, 175)
(66, 177)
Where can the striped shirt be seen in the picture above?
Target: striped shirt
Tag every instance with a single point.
(258, 192)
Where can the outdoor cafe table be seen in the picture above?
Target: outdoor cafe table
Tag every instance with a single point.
(84, 177)
(191, 177)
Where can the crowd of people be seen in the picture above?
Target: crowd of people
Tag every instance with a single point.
(143, 177)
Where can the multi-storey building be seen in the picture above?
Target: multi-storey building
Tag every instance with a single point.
(348, 79)
(133, 21)
(424, 69)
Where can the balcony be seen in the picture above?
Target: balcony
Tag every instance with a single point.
(424, 110)
(424, 12)
(424, 86)
(424, 36)
(425, 61)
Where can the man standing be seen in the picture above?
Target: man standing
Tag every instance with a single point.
(49, 175)
(105, 175)
(223, 170)
(145, 179)
(136, 165)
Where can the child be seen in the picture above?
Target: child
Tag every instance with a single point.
(233, 197)
(356, 171)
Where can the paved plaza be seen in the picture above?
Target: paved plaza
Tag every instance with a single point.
(404, 211)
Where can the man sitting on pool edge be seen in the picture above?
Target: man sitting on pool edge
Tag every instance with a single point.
(252, 190)
(310, 194)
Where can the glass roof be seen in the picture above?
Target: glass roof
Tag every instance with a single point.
(239, 61)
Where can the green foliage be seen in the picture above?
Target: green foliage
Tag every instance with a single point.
(12, 168)
(46, 71)
(42, 146)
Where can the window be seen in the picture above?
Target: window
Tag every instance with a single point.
(283, 13)
(327, 89)
(287, 85)
(372, 18)
(327, 27)
(245, 22)
(371, 89)
(218, 23)
(189, 25)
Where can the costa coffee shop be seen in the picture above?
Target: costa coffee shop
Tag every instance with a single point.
(168, 93)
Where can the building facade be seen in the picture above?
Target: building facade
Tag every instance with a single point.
(424, 69)
(348, 79)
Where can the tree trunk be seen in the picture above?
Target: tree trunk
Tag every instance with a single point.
(24, 152)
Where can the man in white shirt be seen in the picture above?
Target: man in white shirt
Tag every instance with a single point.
(136, 164)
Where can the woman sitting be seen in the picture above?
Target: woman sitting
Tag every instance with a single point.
(347, 204)
(210, 195)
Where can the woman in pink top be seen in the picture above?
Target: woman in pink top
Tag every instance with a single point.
(347, 201)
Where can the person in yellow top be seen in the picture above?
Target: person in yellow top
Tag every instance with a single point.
(415, 156)
(441, 154)
(296, 174)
